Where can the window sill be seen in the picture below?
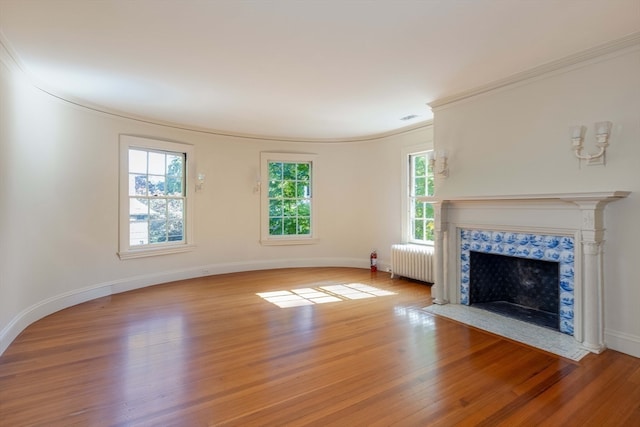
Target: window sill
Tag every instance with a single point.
(286, 242)
(149, 252)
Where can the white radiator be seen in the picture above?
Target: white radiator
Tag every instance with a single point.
(412, 261)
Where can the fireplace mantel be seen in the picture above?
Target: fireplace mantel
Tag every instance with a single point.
(567, 197)
(580, 215)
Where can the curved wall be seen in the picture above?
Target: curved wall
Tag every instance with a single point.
(59, 198)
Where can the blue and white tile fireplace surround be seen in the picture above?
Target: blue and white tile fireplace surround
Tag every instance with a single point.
(563, 228)
(559, 249)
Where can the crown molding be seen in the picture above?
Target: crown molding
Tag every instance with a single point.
(594, 53)
(12, 60)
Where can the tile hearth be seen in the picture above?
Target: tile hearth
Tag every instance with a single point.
(535, 336)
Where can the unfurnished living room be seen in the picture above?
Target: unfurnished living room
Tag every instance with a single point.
(328, 213)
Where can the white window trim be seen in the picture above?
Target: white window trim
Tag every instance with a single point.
(265, 238)
(125, 250)
(406, 188)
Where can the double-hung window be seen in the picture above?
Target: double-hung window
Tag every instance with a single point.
(421, 192)
(155, 201)
(287, 199)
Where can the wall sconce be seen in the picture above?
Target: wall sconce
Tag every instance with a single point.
(603, 129)
(438, 163)
(200, 181)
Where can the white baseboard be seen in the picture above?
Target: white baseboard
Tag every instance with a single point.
(622, 342)
(56, 303)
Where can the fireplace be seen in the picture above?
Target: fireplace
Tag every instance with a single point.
(521, 275)
(566, 230)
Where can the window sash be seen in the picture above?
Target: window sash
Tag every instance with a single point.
(165, 229)
(421, 220)
(287, 207)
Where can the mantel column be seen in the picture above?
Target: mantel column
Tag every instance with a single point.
(439, 288)
(592, 233)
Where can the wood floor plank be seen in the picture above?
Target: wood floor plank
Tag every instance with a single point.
(210, 351)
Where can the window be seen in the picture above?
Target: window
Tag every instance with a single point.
(421, 223)
(154, 197)
(287, 198)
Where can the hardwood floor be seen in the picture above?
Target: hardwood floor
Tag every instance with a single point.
(209, 351)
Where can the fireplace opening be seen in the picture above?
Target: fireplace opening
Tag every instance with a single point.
(520, 288)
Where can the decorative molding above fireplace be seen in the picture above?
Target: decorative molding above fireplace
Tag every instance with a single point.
(577, 215)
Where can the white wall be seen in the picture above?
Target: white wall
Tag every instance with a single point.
(516, 140)
(59, 204)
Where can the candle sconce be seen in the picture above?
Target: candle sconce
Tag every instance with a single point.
(439, 163)
(200, 181)
(603, 130)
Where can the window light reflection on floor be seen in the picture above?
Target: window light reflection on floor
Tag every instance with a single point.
(322, 294)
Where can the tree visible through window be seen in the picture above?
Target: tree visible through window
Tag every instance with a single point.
(287, 210)
(156, 197)
(155, 201)
(289, 198)
(421, 190)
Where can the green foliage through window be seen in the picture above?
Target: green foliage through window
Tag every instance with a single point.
(289, 198)
(156, 197)
(421, 212)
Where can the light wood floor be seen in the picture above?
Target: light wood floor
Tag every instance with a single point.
(209, 351)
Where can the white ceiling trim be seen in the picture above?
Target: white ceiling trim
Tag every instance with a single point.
(595, 53)
(11, 60)
(13, 63)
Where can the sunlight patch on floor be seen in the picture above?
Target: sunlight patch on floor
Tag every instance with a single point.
(322, 294)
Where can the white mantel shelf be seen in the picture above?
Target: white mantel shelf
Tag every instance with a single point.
(567, 197)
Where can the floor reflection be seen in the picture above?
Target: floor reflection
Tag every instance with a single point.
(154, 362)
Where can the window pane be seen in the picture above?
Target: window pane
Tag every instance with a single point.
(174, 186)
(275, 226)
(175, 209)
(428, 210)
(289, 208)
(157, 163)
(289, 189)
(430, 185)
(138, 232)
(304, 208)
(289, 226)
(302, 190)
(418, 230)
(419, 209)
(157, 231)
(138, 161)
(275, 208)
(156, 185)
(289, 171)
(158, 209)
(139, 208)
(175, 229)
(429, 230)
(174, 165)
(275, 171)
(420, 187)
(304, 172)
(137, 185)
(304, 225)
(275, 188)
(421, 165)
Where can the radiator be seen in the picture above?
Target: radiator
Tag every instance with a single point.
(412, 261)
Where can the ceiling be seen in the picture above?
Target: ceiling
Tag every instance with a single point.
(294, 69)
